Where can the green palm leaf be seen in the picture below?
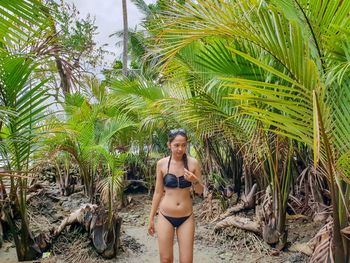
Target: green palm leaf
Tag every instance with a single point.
(21, 21)
(28, 100)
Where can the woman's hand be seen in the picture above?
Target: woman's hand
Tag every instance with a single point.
(151, 229)
(190, 176)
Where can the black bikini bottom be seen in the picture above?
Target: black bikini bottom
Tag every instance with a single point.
(176, 221)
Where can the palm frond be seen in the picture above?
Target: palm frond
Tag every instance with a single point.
(21, 21)
(29, 100)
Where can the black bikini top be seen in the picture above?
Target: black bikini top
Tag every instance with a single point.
(172, 181)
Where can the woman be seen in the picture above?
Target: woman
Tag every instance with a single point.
(176, 174)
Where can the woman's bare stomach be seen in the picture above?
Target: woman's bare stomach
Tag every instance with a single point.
(176, 203)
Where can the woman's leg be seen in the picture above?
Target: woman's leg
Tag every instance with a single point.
(185, 238)
(165, 232)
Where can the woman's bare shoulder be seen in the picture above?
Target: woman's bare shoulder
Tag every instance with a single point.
(163, 161)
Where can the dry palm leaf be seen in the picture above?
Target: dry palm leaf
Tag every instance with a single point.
(323, 250)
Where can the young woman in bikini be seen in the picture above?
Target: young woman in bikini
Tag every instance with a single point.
(176, 174)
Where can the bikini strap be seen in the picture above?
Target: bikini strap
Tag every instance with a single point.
(184, 158)
(169, 163)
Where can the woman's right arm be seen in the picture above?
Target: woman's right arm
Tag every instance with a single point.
(157, 196)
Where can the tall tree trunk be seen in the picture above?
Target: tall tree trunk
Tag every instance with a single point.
(125, 39)
(65, 83)
(337, 246)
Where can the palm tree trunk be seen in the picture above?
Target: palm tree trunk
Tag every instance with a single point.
(337, 246)
(125, 39)
(65, 83)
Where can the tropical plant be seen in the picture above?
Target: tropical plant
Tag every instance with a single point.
(24, 100)
(302, 92)
(277, 157)
(19, 134)
(89, 135)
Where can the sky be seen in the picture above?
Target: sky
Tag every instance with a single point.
(109, 19)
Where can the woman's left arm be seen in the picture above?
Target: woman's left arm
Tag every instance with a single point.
(197, 185)
(195, 177)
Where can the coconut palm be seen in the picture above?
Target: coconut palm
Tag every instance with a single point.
(89, 134)
(22, 23)
(303, 92)
(24, 100)
(19, 134)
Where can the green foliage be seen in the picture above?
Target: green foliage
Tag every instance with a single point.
(22, 22)
(272, 62)
(20, 131)
(75, 35)
(118, 65)
(27, 100)
(90, 136)
(23, 101)
(247, 79)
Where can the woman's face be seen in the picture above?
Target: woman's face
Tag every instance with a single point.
(178, 145)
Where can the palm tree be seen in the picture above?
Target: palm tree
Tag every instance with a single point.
(24, 100)
(19, 134)
(89, 134)
(302, 92)
(125, 38)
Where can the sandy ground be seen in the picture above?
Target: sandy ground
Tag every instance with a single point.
(135, 226)
(150, 249)
(230, 246)
(8, 253)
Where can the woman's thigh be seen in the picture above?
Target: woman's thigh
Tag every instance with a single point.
(185, 238)
(165, 232)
